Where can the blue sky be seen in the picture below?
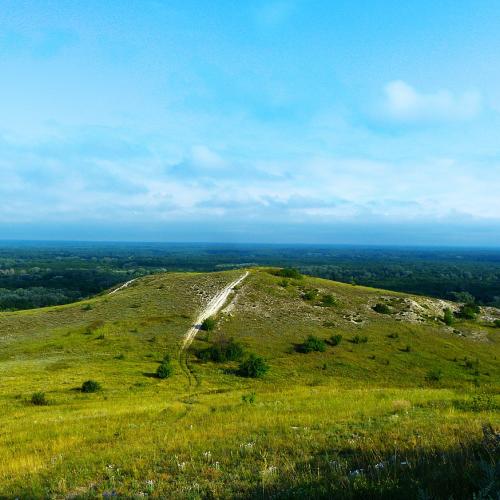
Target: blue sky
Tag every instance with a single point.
(276, 121)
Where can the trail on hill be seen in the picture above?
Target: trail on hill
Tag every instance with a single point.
(125, 285)
(212, 308)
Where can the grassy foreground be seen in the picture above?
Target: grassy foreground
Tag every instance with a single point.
(408, 410)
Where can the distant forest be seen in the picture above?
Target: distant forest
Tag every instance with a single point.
(42, 274)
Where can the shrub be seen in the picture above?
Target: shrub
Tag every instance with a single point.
(39, 399)
(328, 300)
(312, 344)
(221, 351)
(406, 349)
(381, 308)
(248, 398)
(496, 323)
(434, 375)
(208, 324)
(90, 386)
(288, 272)
(254, 366)
(448, 317)
(393, 335)
(335, 339)
(359, 339)
(165, 369)
(310, 295)
(468, 311)
(87, 307)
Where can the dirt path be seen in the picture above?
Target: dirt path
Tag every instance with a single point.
(125, 285)
(212, 308)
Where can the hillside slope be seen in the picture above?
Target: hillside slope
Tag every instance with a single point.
(373, 415)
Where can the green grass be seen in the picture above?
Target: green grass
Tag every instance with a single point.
(357, 420)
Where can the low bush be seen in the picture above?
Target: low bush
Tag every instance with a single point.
(335, 339)
(496, 323)
(253, 367)
(393, 335)
(328, 300)
(468, 311)
(208, 324)
(447, 317)
(165, 370)
(312, 344)
(288, 272)
(310, 295)
(381, 308)
(221, 351)
(434, 375)
(406, 348)
(248, 398)
(39, 399)
(359, 339)
(478, 402)
(90, 386)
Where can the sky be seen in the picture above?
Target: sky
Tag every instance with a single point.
(364, 122)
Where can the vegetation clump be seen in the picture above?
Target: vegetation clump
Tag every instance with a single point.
(165, 369)
(90, 386)
(39, 399)
(221, 351)
(312, 344)
(469, 310)
(253, 367)
(381, 308)
(434, 375)
(359, 339)
(289, 272)
(328, 300)
(208, 324)
(448, 317)
(335, 339)
(310, 295)
(496, 323)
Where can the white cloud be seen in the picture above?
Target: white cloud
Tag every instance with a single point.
(404, 103)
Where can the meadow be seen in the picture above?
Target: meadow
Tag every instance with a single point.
(402, 406)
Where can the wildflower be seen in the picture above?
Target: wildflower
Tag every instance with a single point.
(405, 463)
(150, 482)
(356, 472)
(270, 470)
(110, 466)
(181, 465)
(380, 465)
(216, 465)
(207, 454)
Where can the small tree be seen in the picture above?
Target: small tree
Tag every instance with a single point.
(468, 311)
(90, 386)
(208, 324)
(381, 308)
(254, 367)
(448, 317)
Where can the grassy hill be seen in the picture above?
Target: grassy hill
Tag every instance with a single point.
(400, 407)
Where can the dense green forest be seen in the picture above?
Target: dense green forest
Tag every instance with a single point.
(36, 274)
